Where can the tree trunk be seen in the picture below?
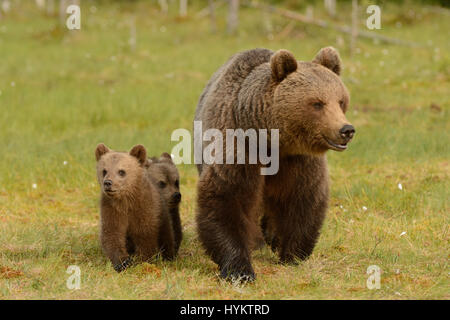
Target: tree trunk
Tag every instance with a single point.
(40, 4)
(233, 18)
(330, 5)
(62, 11)
(50, 7)
(183, 8)
(5, 6)
(164, 6)
(212, 15)
(354, 34)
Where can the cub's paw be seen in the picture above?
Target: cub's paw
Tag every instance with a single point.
(123, 265)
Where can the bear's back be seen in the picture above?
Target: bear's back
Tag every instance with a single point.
(220, 96)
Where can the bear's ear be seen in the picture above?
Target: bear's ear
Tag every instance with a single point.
(329, 58)
(148, 163)
(100, 151)
(282, 63)
(166, 157)
(139, 153)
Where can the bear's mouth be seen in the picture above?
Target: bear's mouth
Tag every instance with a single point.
(110, 192)
(335, 146)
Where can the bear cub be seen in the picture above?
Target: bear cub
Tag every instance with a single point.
(165, 175)
(134, 219)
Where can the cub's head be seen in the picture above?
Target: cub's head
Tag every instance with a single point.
(310, 101)
(165, 174)
(119, 173)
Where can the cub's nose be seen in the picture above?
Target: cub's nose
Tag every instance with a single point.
(107, 184)
(347, 132)
(176, 196)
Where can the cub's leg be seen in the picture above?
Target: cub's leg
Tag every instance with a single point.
(166, 239)
(295, 205)
(146, 244)
(113, 238)
(224, 220)
(176, 225)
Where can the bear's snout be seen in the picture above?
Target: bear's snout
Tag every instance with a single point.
(338, 140)
(347, 132)
(107, 184)
(176, 197)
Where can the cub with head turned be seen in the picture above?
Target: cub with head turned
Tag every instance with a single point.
(133, 218)
(165, 175)
(306, 102)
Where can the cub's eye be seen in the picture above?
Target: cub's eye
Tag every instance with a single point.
(122, 173)
(177, 183)
(104, 172)
(342, 104)
(318, 105)
(162, 184)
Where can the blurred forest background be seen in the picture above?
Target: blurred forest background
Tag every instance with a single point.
(133, 73)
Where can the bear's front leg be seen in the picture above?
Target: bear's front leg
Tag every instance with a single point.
(295, 205)
(225, 223)
(113, 238)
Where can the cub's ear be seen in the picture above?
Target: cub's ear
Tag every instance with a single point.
(329, 58)
(166, 157)
(282, 64)
(139, 153)
(148, 163)
(100, 150)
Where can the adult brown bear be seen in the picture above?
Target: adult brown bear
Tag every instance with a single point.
(306, 102)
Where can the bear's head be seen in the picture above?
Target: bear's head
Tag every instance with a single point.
(119, 173)
(310, 101)
(165, 174)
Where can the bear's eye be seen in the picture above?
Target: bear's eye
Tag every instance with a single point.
(104, 172)
(162, 184)
(177, 183)
(122, 173)
(342, 104)
(318, 105)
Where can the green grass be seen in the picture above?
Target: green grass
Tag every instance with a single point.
(62, 93)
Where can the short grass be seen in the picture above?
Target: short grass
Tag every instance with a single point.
(62, 93)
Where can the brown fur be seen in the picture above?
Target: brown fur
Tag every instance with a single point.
(165, 175)
(133, 216)
(306, 101)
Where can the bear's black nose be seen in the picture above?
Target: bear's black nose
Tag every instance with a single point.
(107, 184)
(176, 196)
(347, 132)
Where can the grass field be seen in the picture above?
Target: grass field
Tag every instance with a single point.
(62, 93)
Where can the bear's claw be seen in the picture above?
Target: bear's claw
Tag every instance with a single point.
(123, 265)
(236, 276)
